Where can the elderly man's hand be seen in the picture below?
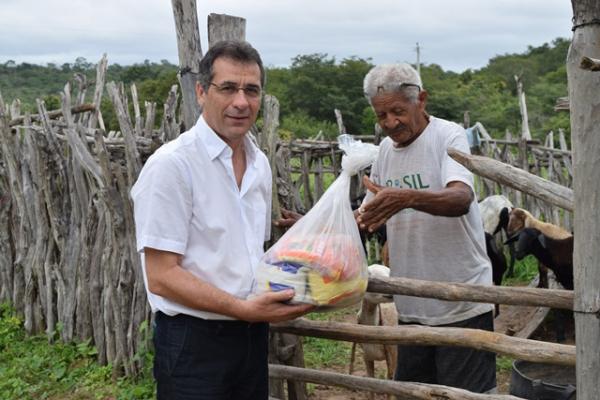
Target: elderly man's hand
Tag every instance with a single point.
(387, 202)
(288, 218)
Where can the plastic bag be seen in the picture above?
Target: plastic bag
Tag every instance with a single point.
(321, 256)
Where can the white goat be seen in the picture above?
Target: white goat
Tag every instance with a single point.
(377, 310)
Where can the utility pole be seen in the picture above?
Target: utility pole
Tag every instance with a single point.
(418, 49)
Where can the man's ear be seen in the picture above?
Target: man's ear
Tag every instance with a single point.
(200, 94)
(423, 96)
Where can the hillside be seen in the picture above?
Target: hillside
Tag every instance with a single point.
(313, 85)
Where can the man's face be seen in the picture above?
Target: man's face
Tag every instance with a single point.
(230, 115)
(401, 120)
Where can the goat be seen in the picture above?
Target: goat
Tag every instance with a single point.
(377, 310)
(520, 219)
(556, 254)
(494, 216)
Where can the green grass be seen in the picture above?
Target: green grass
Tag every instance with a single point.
(30, 368)
(525, 270)
(326, 352)
(503, 363)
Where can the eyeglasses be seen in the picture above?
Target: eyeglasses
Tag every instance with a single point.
(231, 89)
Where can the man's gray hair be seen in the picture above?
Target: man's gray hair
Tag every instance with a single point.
(386, 78)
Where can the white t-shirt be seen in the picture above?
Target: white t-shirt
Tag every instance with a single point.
(428, 247)
(186, 201)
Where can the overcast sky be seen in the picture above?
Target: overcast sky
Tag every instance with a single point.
(456, 34)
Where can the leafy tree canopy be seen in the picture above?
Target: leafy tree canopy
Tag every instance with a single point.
(315, 84)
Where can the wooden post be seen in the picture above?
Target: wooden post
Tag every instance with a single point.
(525, 134)
(340, 121)
(225, 27)
(190, 53)
(584, 86)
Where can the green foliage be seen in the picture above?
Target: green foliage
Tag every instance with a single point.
(29, 81)
(503, 363)
(315, 84)
(525, 270)
(303, 126)
(30, 368)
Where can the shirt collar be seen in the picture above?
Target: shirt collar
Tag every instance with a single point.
(215, 146)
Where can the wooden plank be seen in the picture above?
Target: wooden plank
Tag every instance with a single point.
(405, 390)
(225, 27)
(523, 349)
(54, 114)
(516, 178)
(554, 298)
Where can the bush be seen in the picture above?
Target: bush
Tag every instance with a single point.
(303, 126)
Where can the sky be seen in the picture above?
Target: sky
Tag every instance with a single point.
(455, 34)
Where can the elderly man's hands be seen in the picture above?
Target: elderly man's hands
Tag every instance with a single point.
(288, 218)
(387, 202)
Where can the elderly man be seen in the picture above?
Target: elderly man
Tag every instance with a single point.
(434, 230)
(202, 211)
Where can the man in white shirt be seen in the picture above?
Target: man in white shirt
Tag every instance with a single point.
(202, 207)
(434, 230)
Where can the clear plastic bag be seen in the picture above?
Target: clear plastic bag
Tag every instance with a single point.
(321, 256)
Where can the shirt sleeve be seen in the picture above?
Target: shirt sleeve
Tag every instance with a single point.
(452, 170)
(162, 201)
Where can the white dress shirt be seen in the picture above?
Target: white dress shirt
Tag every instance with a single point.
(187, 201)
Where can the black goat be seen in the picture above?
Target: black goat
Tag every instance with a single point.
(556, 254)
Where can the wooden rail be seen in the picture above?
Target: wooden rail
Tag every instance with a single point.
(405, 390)
(523, 349)
(516, 178)
(522, 296)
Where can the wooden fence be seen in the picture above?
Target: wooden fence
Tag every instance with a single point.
(68, 262)
(544, 160)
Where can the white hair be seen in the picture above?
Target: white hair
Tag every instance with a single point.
(393, 78)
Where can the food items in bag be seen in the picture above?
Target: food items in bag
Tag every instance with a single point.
(325, 270)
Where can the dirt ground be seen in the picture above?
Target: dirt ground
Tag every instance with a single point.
(512, 318)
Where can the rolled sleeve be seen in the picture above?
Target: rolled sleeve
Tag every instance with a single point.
(162, 201)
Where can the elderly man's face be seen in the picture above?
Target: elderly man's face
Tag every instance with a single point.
(230, 115)
(401, 119)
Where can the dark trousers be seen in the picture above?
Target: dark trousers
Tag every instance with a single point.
(205, 359)
(460, 367)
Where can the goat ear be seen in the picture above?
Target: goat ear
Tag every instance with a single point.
(503, 220)
(542, 239)
(513, 238)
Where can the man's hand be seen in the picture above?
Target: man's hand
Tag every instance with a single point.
(387, 202)
(288, 218)
(452, 201)
(272, 307)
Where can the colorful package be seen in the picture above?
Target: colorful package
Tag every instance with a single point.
(321, 257)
